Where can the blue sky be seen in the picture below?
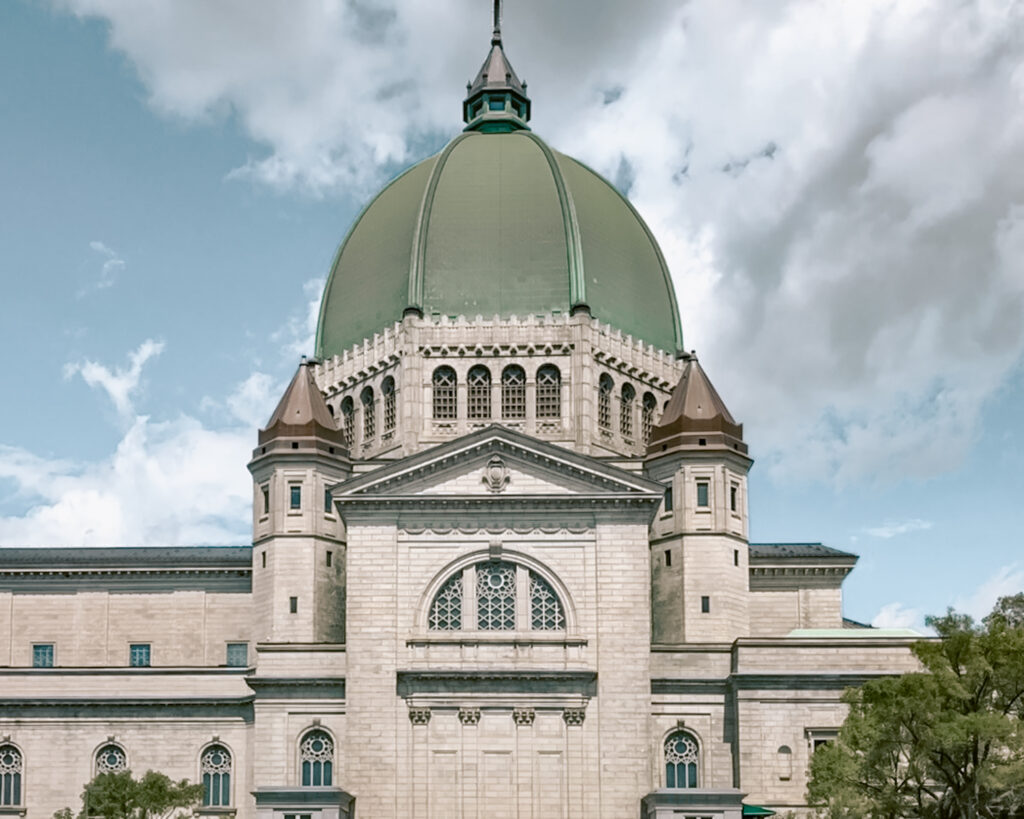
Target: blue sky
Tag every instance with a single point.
(838, 194)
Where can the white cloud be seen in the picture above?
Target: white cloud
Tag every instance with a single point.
(119, 384)
(896, 615)
(978, 603)
(113, 264)
(253, 400)
(297, 337)
(835, 185)
(892, 529)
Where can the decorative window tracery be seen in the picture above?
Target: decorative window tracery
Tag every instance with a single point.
(215, 766)
(486, 594)
(369, 415)
(605, 386)
(649, 405)
(387, 389)
(348, 420)
(681, 760)
(479, 383)
(549, 392)
(111, 759)
(444, 394)
(317, 754)
(626, 411)
(12, 766)
(513, 392)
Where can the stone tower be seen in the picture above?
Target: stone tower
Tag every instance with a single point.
(699, 547)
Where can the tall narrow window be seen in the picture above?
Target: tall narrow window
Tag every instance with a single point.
(42, 655)
(444, 394)
(604, 401)
(348, 420)
(545, 610)
(215, 764)
(265, 489)
(734, 491)
(650, 405)
(138, 655)
(387, 389)
(11, 768)
(111, 759)
(626, 410)
(369, 415)
(294, 497)
(496, 596)
(478, 382)
(317, 754)
(668, 498)
(549, 392)
(513, 392)
(703, 493)
(681, 760)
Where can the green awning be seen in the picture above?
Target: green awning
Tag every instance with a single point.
(756, 810)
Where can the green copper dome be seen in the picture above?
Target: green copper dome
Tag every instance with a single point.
(498, 224)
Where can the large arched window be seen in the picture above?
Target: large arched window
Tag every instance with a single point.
(317, 754)
(387, 389)
(444, 394)
(479, 399)
(549, 392)
(626, 410)
(681, 760)
(513, 392)
(486, 595)
(650, 404)
(605, 385)
(215, 766)
(348, 420)
(12, 766)
(369, 414)
(111, 758)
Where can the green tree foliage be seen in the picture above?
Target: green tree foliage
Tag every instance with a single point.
(121, 796)
(943, 743)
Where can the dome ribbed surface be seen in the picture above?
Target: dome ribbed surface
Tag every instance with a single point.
(498, 224)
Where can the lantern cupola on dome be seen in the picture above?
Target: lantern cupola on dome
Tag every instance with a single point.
(496, 100)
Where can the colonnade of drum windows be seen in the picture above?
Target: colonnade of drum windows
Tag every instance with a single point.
(547, 401)
(627, 402)
(316, 758)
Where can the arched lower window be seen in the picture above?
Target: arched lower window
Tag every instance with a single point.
(785, 755)
(111, 759)
(649, 405)
(681, 760)
(387, 389)
(444, 394)
(478, 381)
(317, 753)
(369, 414)
(215, 766)
(626, 410)
(348, 420)
(12, 767)
(485, 594)
(513, 392)
(605, 385)
(549, 392)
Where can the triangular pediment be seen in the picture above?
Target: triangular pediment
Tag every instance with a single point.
(497, 462)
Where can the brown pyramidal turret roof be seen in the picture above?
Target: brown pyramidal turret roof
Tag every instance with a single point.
(695, 417)
(302, 412)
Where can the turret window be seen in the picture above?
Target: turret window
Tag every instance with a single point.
(444, 394)
(703, 494)
(626, 410)
(479, 383)
(734, 491)
(348, 420)
(549, 392)
(294, 497)
(604, 402)
(649, 405)
(387, 389)
(369, 415)
(513, 392)
(681, 760)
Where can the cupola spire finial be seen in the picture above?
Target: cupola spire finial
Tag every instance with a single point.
(496, 37)
(496, 100)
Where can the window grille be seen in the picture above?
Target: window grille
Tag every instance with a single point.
(626, 411)
(446, 610)
(348, 420)
(388, 389)
(11, 768)
(479, 383)
(647, 417)
(545, 610)
(513, 392)
(680, 761)
(549, 392)
(369, 415)
(237, 655)
(317, 752)
(42, 655)
(444, 394)
(215, 764)
(138, 655)
(496, 597)
(111, 759)
(604, 402)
